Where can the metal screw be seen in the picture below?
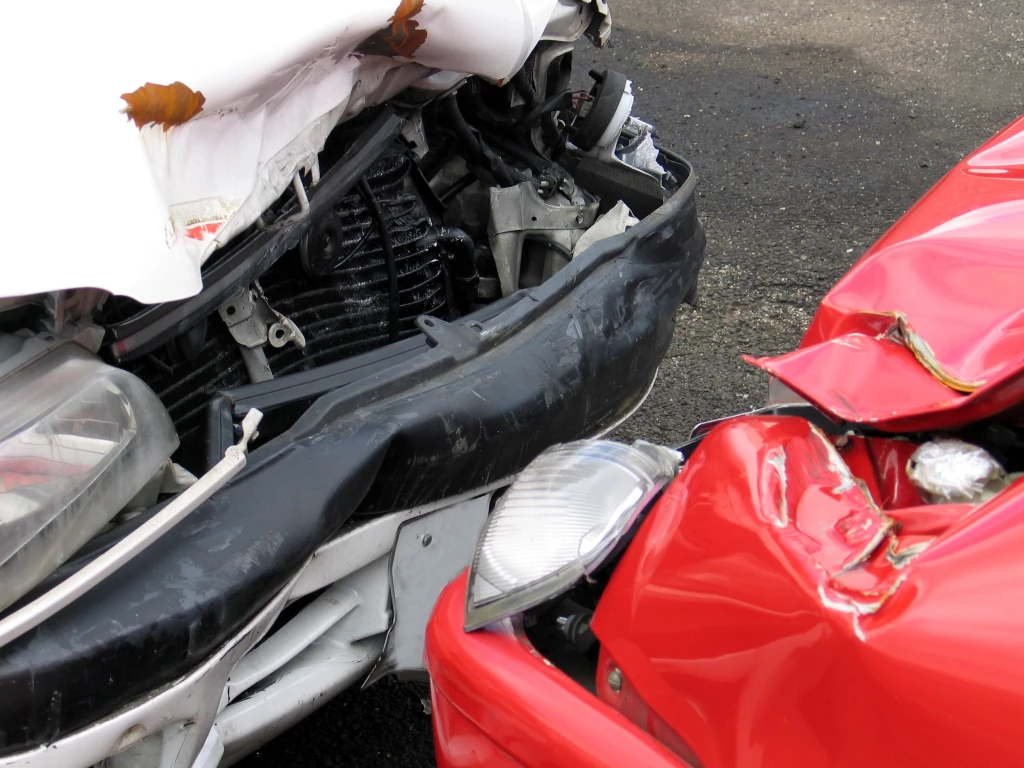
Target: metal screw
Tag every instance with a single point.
(580, 219)
(427, 538)
(842, 441)
(615, 680)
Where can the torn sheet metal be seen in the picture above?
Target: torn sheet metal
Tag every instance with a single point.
(927, 330)
(232, 102)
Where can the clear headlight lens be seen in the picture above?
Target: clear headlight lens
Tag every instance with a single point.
(559, 521)
(78, 439)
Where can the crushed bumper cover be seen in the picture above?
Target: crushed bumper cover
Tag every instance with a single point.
(476, 403)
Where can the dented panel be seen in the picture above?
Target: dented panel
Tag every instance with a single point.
(771, 614)
(927, 330)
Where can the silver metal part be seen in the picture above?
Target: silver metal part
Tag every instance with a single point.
(76, 585)
(284, 331)
(606, 145)
(253, 323)
(256, 364)
(246, 318)
(430, 552)
(615, 680)
(300, 194)
(519, 211)
(414, 133)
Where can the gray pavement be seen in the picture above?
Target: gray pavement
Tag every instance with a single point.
(813, 124)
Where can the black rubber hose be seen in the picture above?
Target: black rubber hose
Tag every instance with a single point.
(465, 251)
(477, 150)
(522, 84)
(463, 246)
(527, 157)
(394, 298)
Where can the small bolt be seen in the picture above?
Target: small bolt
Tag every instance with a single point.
(580, 219)
(427, 538)
(615, 680)
(842, 441)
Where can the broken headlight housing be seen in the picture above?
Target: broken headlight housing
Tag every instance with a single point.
(78, 440)
(559, 521)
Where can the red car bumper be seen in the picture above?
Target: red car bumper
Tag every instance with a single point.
(498, 703)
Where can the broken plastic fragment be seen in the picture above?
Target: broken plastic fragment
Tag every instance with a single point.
(613, 222)
(165, 105)
(951, 471)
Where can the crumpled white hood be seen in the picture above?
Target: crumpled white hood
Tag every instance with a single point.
(95, 201)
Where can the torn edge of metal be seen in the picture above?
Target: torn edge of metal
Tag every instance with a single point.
(46, 605)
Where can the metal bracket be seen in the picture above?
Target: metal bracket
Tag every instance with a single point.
(520, 211)
(253, 323)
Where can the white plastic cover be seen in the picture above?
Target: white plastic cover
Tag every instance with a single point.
(95, 201)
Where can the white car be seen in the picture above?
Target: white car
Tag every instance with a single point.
(308, 287)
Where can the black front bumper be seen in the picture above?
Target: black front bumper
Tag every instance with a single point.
(468, 403)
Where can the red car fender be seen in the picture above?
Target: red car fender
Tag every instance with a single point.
(497, 702)
(768, 613)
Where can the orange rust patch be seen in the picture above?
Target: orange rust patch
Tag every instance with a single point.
(164, 105)
(402, 36)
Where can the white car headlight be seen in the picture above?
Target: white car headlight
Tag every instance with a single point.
(78, 439)
(559, 521)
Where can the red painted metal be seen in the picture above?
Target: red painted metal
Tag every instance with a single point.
(497, 702)
(889, 459)
(927, 330)
(771, 615)
(459, 743)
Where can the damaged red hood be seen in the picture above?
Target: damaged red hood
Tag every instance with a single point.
(927, 330)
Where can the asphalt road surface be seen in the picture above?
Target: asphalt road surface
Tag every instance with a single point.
(813, 124)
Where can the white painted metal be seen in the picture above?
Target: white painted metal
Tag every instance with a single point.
(336, 660)
(280, 648)
(429, 553)
(194, 698)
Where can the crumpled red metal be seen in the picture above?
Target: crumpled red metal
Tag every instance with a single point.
(769, 613)
(927, 330)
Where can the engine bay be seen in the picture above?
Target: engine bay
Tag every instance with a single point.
(435, 204)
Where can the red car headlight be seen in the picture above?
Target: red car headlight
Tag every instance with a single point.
(559, 521)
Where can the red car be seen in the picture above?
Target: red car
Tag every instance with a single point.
(835, 580)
